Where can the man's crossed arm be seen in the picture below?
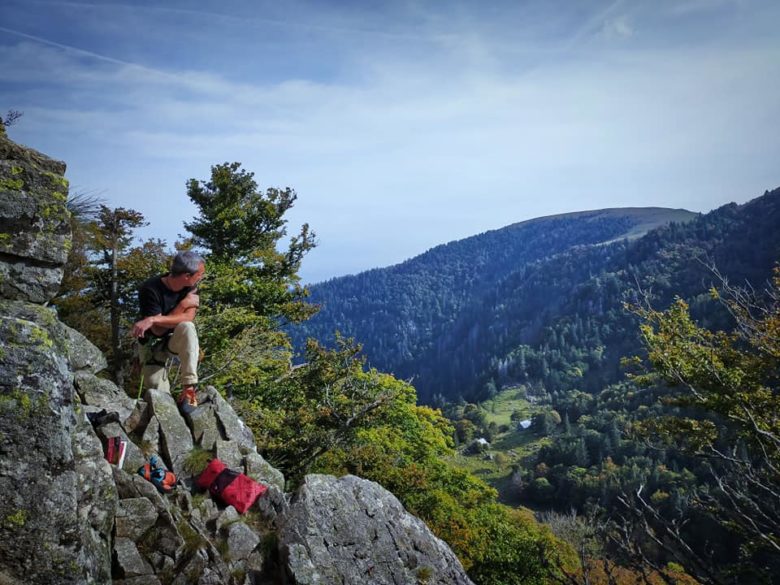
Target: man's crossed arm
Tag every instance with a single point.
(160, 324)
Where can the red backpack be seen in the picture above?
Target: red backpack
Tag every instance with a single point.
(231, 487)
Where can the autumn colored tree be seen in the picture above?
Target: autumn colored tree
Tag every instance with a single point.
(727, 388)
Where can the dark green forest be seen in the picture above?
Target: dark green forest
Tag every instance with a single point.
(427, 304)
(539, 302)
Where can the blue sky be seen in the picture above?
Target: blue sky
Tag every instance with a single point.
(401, 125)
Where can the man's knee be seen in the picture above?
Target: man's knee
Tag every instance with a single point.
(186, 327)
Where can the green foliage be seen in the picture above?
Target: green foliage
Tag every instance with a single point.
(696, 437)
(319, 406)
(197, 460)
(545, 422)
(730, 375)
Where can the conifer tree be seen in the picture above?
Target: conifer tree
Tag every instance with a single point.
(252, 287)
(113, 233)
(102, 274)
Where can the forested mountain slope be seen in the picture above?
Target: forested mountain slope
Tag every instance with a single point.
(538, 301)
(561, 322)
(401, 312)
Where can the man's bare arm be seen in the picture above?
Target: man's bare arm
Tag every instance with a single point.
(160, 324)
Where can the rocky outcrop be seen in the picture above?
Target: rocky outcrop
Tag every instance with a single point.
(69, 517)
(351, 530)
(34, 223)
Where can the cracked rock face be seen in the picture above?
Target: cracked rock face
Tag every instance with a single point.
(353, 531)
(58, 498)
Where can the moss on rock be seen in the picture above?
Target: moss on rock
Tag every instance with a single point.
(16, 520)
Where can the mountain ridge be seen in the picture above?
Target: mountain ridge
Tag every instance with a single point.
(667, 214)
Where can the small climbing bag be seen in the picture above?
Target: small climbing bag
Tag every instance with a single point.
(230, 487)
(160, 477)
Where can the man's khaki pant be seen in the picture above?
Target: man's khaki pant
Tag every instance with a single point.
(183, 343)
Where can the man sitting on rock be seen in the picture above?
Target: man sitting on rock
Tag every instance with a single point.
(168, 306)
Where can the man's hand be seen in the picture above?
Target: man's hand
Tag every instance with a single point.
(140, 327)
(191, 301)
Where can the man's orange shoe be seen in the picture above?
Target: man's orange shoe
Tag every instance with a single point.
(188, 400)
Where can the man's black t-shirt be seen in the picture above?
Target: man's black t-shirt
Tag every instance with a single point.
(155, 298)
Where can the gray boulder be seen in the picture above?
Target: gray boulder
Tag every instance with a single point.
(233, 428)
(128, 561)
(164, 538)
(353, 531)
(103, 394)
(131, 485)
(34, 223)
(205, 428)
(82, 354)
(256, 467)
(150, 439)
(230, 453)
(272, 505)
(134, 517)
(225, 518)
(241, 541)
(175, 437)
(138, 419)
(98, 495)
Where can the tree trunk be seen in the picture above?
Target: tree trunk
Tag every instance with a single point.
(116, 352)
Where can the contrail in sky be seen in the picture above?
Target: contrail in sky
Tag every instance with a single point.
(70, 48)
(251, 20)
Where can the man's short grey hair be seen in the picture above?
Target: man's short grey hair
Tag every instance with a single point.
(186, 263)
